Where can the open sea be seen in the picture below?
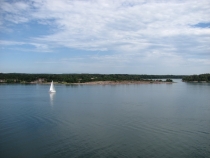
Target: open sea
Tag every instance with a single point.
(106, 121)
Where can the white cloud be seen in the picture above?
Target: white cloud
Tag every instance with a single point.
(38, 46)
(134, 30)
(14, 7)
(15, 12)
(200, 61)
(107, 25)
(4, 42)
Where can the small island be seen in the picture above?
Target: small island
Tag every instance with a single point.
(86, 78)
(197, 78)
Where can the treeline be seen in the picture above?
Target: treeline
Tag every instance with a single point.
(76, 78)
(197, 78)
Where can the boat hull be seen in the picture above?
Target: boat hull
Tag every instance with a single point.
(52, 91)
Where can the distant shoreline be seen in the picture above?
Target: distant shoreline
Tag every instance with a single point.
(85, 78)
(98, 78)
(99, 83)
(122, 82)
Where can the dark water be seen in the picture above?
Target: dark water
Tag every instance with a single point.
(145, 121)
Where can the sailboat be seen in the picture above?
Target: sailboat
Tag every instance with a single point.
(52, 89)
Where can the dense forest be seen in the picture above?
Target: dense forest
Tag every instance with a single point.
(79, 78)
(197, 78)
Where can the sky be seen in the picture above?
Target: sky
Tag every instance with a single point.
(157, 37)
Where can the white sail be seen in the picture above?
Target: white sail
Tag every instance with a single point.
(52, 89)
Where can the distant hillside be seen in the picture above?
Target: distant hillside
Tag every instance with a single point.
(197, 78)
(78, 78)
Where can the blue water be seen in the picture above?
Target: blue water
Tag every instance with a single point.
(148, 120)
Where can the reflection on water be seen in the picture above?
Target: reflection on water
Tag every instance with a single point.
(154, 120)
(52, 95)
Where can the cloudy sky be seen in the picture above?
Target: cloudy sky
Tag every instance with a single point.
(105, 36)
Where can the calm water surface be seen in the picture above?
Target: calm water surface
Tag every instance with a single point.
(144, 121)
